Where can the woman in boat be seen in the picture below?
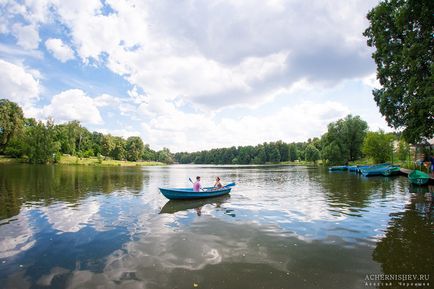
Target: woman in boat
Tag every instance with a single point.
(197, 186)
(217, 185)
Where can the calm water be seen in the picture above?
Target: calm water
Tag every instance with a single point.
(281, 227)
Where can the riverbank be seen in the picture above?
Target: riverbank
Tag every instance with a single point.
(92, 161)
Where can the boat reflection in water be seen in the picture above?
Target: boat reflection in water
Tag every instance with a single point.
(174, 206)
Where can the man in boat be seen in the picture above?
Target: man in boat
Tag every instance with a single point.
(197, 186)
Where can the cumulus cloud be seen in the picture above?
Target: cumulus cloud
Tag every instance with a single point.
(59, 49)
(297, 123)
(18, 84)
(207, 56)
(73, 104)
(27, 36)
(237, 52)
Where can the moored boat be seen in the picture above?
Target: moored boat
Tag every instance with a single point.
(189, 194)
(374, 170)
(352, 168)
(338, 168)
(392, 171)
(418, 177)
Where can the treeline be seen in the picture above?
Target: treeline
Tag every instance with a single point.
(346, 140)
(41, 142)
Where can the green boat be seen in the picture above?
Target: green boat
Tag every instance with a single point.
(392, 171)
(418, 178)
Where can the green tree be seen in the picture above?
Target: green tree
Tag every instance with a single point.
(41, 146)
(107, 145)
(11, 121)
(260, 157)
(165, 156)
(135, 148)
(402, 33)
(311, 153)
(292, 150)
(118, 152)
(274, 156)
(378, 146)
(343, 140)
(403, 150)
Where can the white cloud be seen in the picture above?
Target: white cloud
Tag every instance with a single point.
(59, 49)
(236, 52)
(19, 84)
(73, 104)
(27, 36)
(198, 131)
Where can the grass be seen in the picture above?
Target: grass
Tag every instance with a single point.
(8, 160)
(94, 161)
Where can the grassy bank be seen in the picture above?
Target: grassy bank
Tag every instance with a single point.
(93, 161)
(8, 160)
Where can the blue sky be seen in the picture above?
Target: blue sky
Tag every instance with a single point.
(190, 75)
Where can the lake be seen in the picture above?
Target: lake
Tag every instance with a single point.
(281, 227)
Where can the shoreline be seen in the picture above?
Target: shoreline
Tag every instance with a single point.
(92, 161)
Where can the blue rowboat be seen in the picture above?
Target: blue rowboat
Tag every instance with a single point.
(338, 168)
(189, 194)
(375, 170)
(352, 168)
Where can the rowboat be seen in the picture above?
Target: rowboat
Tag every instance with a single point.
(418, 178)
(353, 168)
(392, 171)
(374, 170)
(338, 168)
(189, 194)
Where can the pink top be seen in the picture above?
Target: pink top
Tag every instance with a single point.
(197, 186)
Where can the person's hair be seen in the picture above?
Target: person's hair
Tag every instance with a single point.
(218, 178)
(197, 178)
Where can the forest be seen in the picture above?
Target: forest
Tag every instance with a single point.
(45, 142)
(346, 140)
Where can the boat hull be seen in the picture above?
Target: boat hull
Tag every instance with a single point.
(338, 168)
(392, 171)
(189, 194)
(418, 178)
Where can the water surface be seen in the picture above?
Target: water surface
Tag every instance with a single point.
(281, 227)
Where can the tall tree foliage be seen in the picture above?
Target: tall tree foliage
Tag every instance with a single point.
(311, 153)
(11, 121)
(343, 140)
(378, 146)
(135, 148)
(41, 146)
(402, 33)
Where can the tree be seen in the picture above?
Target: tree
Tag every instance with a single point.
(260, 157)
(135, 148)
(292, 150)
(343, 140)
(403, 150)
(165, 156)
(311, 153)
(41, 146)
(378, 146)
(11, 121)
(274, 155)
(401, 31)
(118, 152)
(107, 145)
